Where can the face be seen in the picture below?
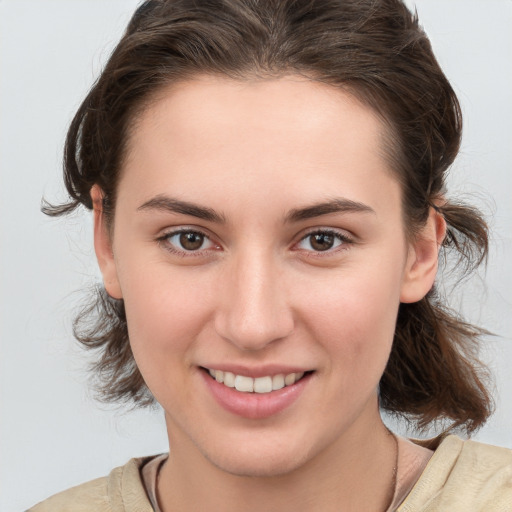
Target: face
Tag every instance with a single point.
(258, 237)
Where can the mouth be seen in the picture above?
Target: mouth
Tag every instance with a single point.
(259, 397)
(260, 385)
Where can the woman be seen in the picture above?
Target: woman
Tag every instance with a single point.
(267, 180)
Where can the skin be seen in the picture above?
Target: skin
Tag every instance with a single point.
(257, 292)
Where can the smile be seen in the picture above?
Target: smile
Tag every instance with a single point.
(260, 396)
(262, 385)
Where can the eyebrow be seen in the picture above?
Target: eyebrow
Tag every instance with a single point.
(170, 204)
(173, 205)
(337, 205)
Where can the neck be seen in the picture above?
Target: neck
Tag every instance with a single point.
(356, 472)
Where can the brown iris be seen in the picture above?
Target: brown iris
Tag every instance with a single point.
(191, 241)
(321, 241)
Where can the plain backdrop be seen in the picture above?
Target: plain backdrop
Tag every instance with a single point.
(53, 434)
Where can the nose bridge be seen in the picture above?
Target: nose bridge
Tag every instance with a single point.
(255, 311)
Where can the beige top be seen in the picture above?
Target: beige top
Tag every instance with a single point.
(461, 476)
(150, 478)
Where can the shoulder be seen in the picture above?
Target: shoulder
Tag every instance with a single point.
(121, 491)
(465, 476)
(91, 495)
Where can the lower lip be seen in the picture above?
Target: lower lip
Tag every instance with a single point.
(255, 405)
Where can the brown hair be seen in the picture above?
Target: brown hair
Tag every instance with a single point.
(377, 51)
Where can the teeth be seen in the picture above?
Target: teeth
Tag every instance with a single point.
(229, 379)
(277, 382)
(289, 379)
(258, 385)
(245, 384)
(263, 385)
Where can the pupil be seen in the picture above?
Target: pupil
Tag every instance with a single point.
(322, 241)
(191, 241)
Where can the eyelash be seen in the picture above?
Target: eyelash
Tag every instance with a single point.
(341, 237)
(164, 240)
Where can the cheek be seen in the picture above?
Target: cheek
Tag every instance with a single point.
(166, 311)
(354, 316)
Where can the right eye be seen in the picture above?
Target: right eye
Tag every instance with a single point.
(187, 241)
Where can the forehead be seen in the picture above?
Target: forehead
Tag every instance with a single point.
(291, 133)
(212, 107)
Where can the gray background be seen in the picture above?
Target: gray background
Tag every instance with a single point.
(53, 434)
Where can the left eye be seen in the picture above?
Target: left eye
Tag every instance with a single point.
(189, 241)
(321, 241)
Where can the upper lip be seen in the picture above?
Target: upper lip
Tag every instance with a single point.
(256, 371)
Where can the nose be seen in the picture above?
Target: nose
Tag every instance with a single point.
(254, 308)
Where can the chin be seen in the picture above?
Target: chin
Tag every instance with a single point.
(257, 466)
(260, 461)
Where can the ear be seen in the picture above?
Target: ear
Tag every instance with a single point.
(422, 259)
(103, 246)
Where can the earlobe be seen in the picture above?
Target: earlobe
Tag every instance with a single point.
(422, 261)
(103, 246)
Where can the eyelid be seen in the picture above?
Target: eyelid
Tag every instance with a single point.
(345, 238)
(163, 239)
